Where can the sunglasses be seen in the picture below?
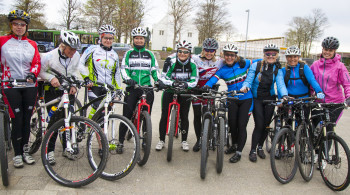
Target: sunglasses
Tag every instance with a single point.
(183, 51)
(108, 38)
(230, 55)
(270, 54)
(19, 24)
(210, 50)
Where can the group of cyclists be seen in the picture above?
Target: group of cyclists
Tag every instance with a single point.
(327, 79)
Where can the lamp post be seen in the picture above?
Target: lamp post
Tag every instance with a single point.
(246, 36)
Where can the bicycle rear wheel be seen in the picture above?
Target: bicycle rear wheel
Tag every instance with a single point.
(145, 137)
(73, 169)
(304, 152)
(119, 165)
(282, 156)
(220, 143)
(204, 147)
(35, 136)
(171, 132)
(335, 170)
(3, 152)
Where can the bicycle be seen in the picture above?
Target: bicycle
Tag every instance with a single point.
(87, 159)
(277, 120)
(333, 152)
(5, 131)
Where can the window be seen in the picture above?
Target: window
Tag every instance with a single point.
(189, 34)
(161, 32)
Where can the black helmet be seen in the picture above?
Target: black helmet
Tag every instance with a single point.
(330, 43)
(19, 15)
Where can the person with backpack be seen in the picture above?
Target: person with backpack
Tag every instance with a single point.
(261, 80)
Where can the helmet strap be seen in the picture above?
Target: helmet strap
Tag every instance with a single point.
(61, 53)
(105, 47)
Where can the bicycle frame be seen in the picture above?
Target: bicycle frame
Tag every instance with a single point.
(139, 107)
(176, 104)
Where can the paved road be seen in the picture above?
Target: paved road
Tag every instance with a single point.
(181, 176)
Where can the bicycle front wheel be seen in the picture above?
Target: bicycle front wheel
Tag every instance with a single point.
(334, 168)
(204, 147)
(35, 136)
(282, 156)
(145, 137)
(304, 152)
(3, 152)
(220, 143)
(73, 168)
(171, 133)
(119, 165)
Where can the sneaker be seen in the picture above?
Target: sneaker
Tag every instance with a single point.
(185, 146)
(197, 146)
(18, 161)
(231, 150)
(323, 164)
(51, 158)
(66, 154)
(261, 153)
(235, 158)
(160, 145)
(120, 148)
(316, 159)
(28, 159)
(252, 157)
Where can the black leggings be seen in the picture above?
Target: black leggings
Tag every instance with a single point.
(334, 113)
(262, 113)
(197, 119)
(21, 101)
(184, 102)
(238, 117)
(131, 98)
(95, 92)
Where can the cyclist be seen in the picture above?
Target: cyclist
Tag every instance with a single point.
(332, 76)
(103, 65)
(181, 70)
(20, 59)
(234, 74)
(138, 66)
(65, 60)
(261, 78)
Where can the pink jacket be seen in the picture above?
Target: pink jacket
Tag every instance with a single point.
(331, 74)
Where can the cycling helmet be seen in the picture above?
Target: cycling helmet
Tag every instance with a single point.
(70, 39)
(293, 51)
(184, 44)
(271, 47)
(230, 47)
(107, 29)
(210, 43)
(19, 15)
(330, 43)
(139, 31)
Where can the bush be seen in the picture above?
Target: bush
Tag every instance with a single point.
(169, 49)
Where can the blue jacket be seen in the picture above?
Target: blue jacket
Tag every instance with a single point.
(233, 77)
(253, 83)
(297, 87)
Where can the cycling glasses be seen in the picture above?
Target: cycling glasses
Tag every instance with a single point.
(108, 38)
(210, 50)
(270, 54)
(19, 24)
(183, 51)
(230, 55)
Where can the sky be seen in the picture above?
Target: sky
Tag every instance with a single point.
(267, 18)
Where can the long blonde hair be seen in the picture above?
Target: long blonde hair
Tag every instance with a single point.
(263, 62)
(203, 56)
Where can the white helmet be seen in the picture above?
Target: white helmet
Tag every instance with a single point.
(107, 29)
(139, 31)
(271, 47)
(230, 47)
(293, 51)
(184, 44)
(70, 39)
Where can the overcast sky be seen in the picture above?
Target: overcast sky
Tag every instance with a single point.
(267, 18)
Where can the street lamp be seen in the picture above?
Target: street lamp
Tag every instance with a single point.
(246, 36)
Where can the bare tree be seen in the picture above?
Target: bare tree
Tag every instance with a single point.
(34, 9)
(179, 11)
(100, 11)
(211, 19)
(70, 12)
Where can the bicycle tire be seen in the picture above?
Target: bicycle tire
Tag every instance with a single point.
(304, 152)
(145, 137)
(271, 133)
(77, 105)
(35, 136)
(171, 132)
(283, 142)
(7, 122)
(73, 170)
(119, 165)
(204, 148)
(339, 163)
(3, 152)
(220, 143)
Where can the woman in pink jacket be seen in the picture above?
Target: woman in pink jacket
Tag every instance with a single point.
(332, 76)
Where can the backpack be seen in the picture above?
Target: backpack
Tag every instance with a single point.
(301, 75)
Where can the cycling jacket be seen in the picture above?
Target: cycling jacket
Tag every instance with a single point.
(331, 74)
(140, 65)
(103, 65)
(206, 68)
(19, 57)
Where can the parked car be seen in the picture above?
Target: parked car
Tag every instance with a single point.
(121, 48)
